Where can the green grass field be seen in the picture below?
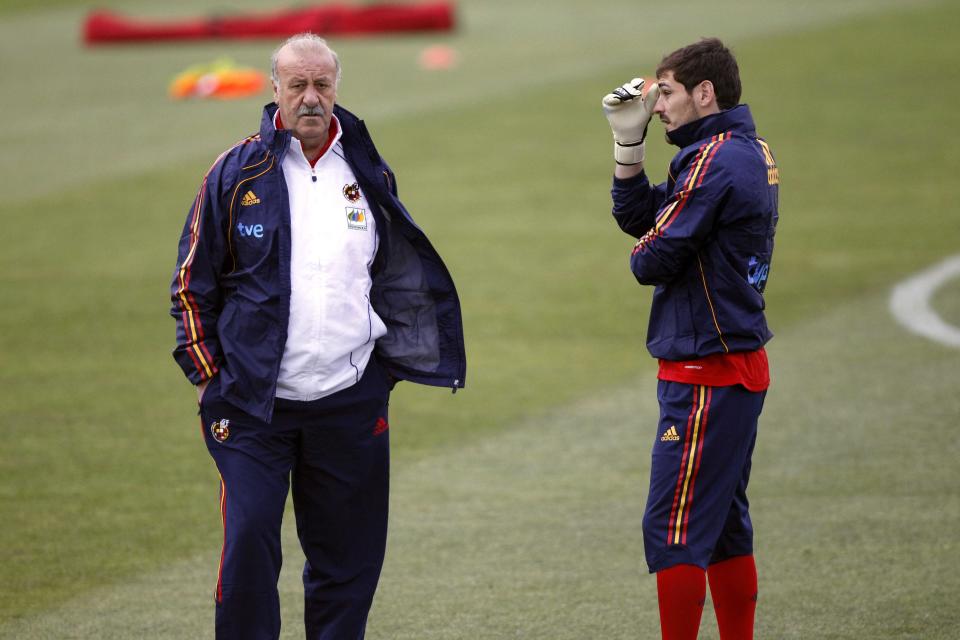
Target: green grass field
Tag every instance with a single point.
(516, 503)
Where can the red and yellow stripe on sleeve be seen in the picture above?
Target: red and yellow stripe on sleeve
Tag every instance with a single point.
(701, 163)
(192, 326)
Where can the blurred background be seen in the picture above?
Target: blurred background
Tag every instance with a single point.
(517, 502)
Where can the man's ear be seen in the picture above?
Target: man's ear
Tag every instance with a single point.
(704, 94)
(276, 93)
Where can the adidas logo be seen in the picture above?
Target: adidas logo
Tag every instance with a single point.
(249, 198)
(670, 435)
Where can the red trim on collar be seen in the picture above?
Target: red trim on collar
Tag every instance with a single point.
(332, 132)
(331, 136)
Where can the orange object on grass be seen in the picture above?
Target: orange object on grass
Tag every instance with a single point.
(221, 80)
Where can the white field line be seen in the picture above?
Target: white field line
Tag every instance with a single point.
(910, 303)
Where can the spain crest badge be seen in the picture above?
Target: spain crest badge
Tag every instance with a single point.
(220, 430)
(351, 192)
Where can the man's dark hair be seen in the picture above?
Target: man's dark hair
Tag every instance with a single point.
(709, 60)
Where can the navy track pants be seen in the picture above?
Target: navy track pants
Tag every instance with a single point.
(697, 509)
(335, 452)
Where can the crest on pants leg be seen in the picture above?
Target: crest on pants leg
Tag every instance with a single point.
(220, 430)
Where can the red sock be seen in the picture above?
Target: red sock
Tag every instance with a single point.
(733, 587)
(681, 590)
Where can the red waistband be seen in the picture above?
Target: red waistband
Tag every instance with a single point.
(747, 368)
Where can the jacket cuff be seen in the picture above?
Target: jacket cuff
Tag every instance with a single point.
(627, 183)
(196, 372)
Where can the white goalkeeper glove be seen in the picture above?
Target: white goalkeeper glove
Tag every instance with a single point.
(629, 115)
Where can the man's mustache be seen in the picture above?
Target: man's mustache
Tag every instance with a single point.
(304, 110)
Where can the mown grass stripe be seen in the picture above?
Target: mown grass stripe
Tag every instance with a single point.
(535, 531)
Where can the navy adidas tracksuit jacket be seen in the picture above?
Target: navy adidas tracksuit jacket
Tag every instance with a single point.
(705, 238)
(231, 292)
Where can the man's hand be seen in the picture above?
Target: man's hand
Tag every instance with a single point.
(201, 388)
(629, 114)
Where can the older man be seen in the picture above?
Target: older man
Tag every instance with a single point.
(705, 241)
(303, 292)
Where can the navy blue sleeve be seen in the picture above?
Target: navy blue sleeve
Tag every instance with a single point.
(635, 202)
(195, 290)
(684, 221)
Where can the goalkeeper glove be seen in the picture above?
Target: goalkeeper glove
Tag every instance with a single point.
(629, 114)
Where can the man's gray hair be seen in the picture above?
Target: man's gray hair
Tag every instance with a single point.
(303, 43)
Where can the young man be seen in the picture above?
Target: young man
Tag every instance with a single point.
(303, 291)
(705, 240)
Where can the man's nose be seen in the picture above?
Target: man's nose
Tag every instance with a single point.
(311, 97)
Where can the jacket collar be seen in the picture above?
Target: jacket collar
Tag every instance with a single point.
(278, 140)
(737, 120)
